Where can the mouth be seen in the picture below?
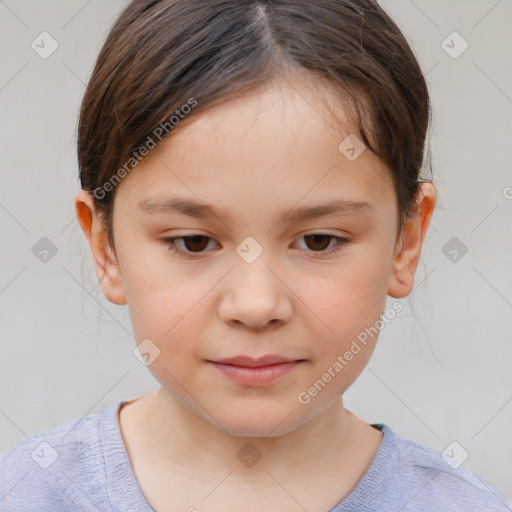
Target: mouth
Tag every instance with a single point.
(256, 372)
(249, 362)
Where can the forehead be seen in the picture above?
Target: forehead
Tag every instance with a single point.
(282, 144)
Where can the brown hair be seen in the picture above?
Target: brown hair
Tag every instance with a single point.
(161, 53)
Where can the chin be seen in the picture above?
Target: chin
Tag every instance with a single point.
(256, 431)
(256, 424)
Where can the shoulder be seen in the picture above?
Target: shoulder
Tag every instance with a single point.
(430, 480)
(56, 469)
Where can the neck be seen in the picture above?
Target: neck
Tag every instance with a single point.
(178, 436)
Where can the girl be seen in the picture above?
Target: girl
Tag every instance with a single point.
(219, 144)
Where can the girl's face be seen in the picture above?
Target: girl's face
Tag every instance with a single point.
(264, 172)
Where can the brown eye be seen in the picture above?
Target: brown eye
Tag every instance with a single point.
(318, 242)
(195, 243)
(187, 245)
(318, 245)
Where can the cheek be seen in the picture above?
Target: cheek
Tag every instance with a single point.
(349, 297)
(171, 319)
(164, 309)
(345, 302)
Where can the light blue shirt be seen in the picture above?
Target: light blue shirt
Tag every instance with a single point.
(83, 465)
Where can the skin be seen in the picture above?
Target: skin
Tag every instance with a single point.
(255, 157)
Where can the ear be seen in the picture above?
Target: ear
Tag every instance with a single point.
(408, 250)
(105, 264)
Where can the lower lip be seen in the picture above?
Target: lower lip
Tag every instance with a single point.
(260, 376)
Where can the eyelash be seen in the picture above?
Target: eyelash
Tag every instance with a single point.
(171, 245)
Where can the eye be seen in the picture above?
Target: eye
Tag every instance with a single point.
(193, 244)
(196, 244)
(319, 241)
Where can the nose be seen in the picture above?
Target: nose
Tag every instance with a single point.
(254, 296)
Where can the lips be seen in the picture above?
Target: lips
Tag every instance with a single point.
(256, 372)
(249, 362)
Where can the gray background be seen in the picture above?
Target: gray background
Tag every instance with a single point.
(441, 370)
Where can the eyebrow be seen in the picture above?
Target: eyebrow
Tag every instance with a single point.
(196, 209)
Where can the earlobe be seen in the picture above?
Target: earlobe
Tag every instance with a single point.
(408, 252)
(105, 264)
